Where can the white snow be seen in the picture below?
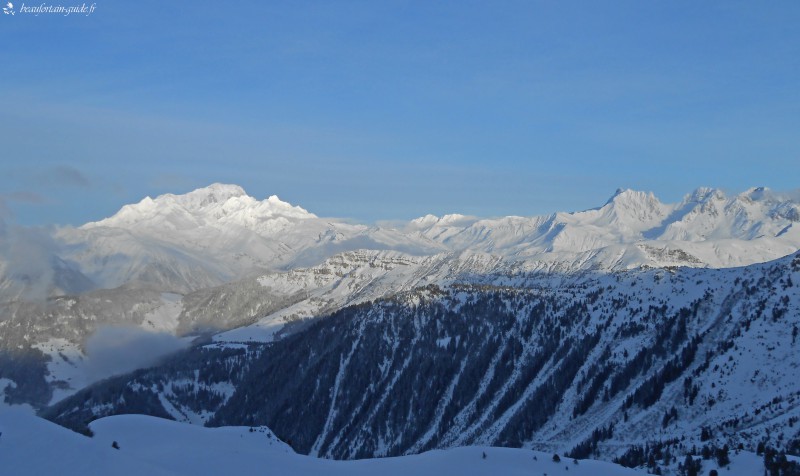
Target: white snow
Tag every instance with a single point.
(218, 234)
(165, 317)
(148, 445)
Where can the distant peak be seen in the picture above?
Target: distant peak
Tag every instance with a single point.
(703, 194)
(214, 193)
(279, 206)
(203, 205)
(757, 193)
(453, 219)
(225, 188)
(233, 197)
(425, 222)
(627, 194)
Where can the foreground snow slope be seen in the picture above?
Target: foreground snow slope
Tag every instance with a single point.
(147, 445)
(32, 446)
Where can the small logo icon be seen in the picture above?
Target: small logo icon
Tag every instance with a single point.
(9, 9)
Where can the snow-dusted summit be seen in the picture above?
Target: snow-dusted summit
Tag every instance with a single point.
(217, 206)
(210, 236)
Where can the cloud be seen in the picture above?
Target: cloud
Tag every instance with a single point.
(29, 255)
(25, 197)
(6, 214)
(114, 350)
(66, 176)
(42, 186)
(26, 253)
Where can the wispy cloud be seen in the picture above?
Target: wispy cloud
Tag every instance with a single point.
(25, 197)
(46, 177)
(114, 350)
(28, 254)
(65, 176)
(6, 212)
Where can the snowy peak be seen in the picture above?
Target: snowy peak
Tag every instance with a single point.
(203, 197)
(622, 195)
(453, 219)
(703, 195)
(633, 208)
(757, 193)
(633, 200)
(769, 203)
(426, 221)
(216, 204)
(708, 214)
(707, 228)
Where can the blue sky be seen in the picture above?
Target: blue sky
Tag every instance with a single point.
(390, 110)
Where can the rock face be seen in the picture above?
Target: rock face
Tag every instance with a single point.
(591, 363)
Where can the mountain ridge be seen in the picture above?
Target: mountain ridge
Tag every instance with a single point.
(241, 283)
(218, 234)
(593, 363)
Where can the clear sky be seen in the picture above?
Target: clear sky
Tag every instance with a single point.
(391, 110)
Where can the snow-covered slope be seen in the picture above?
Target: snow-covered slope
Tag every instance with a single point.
(592, 363)
(147, 445)
(33, 446)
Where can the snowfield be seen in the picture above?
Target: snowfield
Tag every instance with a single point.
(151, 446)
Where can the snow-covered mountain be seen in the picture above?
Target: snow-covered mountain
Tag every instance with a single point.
(590, 364)
(209, 236)
(635, 229)
(588, 332)
(217, 260)
(218, 234)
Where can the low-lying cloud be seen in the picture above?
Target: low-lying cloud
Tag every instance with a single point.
(114, 350)
(27, 256)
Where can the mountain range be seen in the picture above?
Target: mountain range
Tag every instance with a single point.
(217, 234)
(637, 331)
